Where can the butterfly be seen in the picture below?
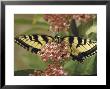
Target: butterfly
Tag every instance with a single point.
(80, 48)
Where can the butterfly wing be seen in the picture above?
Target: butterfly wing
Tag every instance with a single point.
(33, 42)
(80, 48)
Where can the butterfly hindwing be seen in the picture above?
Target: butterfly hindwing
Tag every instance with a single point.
(33, 42)
(80, 48)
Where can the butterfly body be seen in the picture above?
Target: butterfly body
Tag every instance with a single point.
(79, 48)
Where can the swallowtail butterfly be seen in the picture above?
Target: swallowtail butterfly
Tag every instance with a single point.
(79, 48)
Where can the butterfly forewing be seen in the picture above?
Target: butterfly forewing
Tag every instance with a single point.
(34, 42)
(80, 48)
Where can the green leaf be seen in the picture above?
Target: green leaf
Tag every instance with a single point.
(92, 36)
(84, 27)
(25, 72)
(37, 30)
(22, 21)
(88, 67)
(34, 61)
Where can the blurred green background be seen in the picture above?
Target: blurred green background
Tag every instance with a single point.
(25, 62)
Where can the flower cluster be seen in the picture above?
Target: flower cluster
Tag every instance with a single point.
(58, 22)
(54, 69)
(54, 51)
(83, 17)
(37, 73)
(61, 22)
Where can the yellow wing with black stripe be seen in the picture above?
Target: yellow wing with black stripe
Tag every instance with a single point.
(80, 48)
(33, 42)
